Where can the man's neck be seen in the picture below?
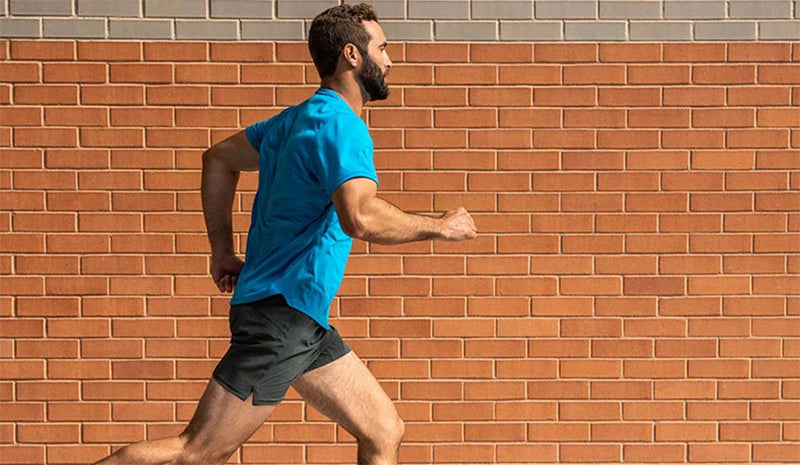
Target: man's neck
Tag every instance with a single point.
(349, 90)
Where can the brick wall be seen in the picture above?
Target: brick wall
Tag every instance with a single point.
(633, 295)
(439, 20)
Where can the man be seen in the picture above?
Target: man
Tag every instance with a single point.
(317, 190)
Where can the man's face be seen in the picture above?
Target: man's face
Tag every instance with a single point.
(375, 64)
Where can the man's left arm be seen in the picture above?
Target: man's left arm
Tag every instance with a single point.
(222, 164)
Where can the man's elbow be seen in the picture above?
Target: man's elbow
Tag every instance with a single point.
(355, 226)
(210, 156)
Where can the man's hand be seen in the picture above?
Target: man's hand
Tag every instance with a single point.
(458, 225)
(225, 271)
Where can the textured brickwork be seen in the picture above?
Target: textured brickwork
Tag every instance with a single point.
(411, 20)
(633, 295)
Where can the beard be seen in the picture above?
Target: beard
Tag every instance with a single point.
(372, 80)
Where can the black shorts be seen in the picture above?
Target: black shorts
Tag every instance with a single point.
(272, 344)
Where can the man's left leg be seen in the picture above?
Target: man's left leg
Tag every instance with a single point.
(346, 392)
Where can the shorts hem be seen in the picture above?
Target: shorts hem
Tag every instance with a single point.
(267, 402)
(229, 387)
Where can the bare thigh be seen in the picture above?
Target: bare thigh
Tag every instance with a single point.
(346, 392)
(223, 422)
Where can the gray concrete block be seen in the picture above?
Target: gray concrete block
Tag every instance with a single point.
(465, 30)
(389, 9)
(682, 9)
(109, 8)
(273, 30)
(649, 9)
(139, 29)
(175, 8)
(74, 28)
(779, 30)
(727, 30)
(595, 30)
(20, 28)
(239, 9)
(760, 9)
(502, 9)
(530, 30)
(219, 30)
(306, 9)
(438, 9)
(40, 7)
(407, 30)
(797, 9)
(651, 30)
(576, 9)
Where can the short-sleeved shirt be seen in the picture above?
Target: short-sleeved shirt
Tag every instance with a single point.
(296, 246)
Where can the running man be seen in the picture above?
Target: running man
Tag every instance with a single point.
(317, 190)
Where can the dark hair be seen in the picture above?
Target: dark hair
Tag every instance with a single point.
(334, 28)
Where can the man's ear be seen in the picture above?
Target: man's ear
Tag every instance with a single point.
(351, 54)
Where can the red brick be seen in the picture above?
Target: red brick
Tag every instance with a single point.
(760, 96)
(20, 72)
(109, 51)
(593, 118)
(75, 72)
(242, 95)
(501, 53)
(243, 51)
(774, 117)
(46, 94)
(437, 52)
(693, 139)
(722, 118)
(112, 95)
(410, 74)
(724, 74)
(446, 96)
(500, 96)
(719, 452)
(630, 52)
(251, 74)
(403, 117)
(48, 137)
(694, 52)
(566, 97)
(565, 53)
(658, 74)
(758, 138)
(178, 95)
(563, 138)
(459, 74)
(140, 73)
(694, 96)
(594, 74)
(625, 96)
(45, 50)
(530, 74)
(778, 74)
(175, 51)
(461, 160)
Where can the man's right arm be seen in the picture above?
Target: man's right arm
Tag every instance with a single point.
(221, 166)
(365, 216)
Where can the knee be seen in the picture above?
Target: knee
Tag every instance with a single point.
(388, 435)
(196, 451)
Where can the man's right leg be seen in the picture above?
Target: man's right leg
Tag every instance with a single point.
(221, 423)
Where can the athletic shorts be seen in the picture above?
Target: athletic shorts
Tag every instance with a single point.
(272, 344)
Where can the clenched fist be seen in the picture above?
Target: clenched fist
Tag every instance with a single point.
(225, 270)
(458, 225)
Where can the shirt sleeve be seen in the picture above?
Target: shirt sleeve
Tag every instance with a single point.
(258, 131)
(344, 152)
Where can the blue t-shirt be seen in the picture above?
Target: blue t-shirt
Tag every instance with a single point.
(296, 246)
